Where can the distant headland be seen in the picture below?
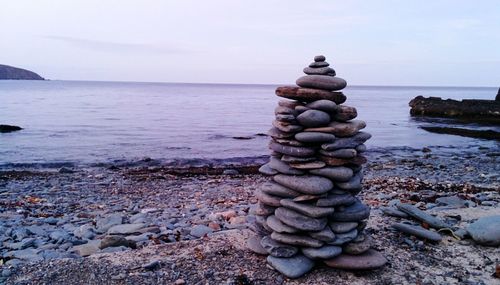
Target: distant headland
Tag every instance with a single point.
(14, 73)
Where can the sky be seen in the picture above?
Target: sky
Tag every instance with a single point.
(416, 43)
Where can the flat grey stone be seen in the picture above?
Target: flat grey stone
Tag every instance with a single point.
(343, 238)
(267, 199)
(319, 64)
(327, 106)
(337, 173)
(278, 249)
(314, 137)
(292, 150)
(307, 184)
(293, 159)
(325, 235)
(200, 230)
(267, 170)
(289, 142)
(350, 142)
(486, 231)
(320, 71)
(287, 128)
(307, 209)
(286, 118)
(276, 225)
(292, 267)
(299, 221)
(422, 216)
(323, 82)
(340, 153)
(353, 185)
(361, 148)
(368, 260)
(357, 247)
(308, 165)
(324, 252)
(283, 167)
(319, 58)
(342, 227)
(126, 229)
(277, 134)
(285, 111)
(289, 103)
(391, 211)
(336, 200)
(313, 118)
(454, 201)
(297, 240)
(418, 232)
(275, 189)
(103, 224)
(352, 213)
(253, 244)
(87, 249)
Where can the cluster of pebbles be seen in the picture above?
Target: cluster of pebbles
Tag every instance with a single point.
(309, 212)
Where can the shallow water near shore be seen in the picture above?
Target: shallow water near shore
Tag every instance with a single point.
(84, 123)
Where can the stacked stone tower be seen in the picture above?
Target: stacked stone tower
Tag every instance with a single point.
(309, 213)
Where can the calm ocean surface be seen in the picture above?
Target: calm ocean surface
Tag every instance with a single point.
(92, 122)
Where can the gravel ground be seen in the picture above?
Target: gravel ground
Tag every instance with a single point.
(194, 226)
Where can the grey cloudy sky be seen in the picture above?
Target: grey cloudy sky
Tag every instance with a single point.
(447, 43)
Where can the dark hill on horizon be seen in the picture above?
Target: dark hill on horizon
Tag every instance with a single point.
(13, 73)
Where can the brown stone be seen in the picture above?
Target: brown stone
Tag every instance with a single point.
(307, 94)
(332, 161)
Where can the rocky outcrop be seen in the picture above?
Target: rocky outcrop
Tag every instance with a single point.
(14, 73)
(480, 110)
(9, 128)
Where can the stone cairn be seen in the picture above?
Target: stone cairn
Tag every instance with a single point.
(309, 212)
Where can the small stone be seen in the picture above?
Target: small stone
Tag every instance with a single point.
(267, 170)
(282, 167)
(341, 129)
(324, 252)
(314, 137)
(103, 224)
(418, 232)
(319, 58)
(333, 161)
(289, 103)
(179, 282)
(200, 231)
(313, 118)
(342, 227)
(126, 229)
(454, 201)
(152, 265)
(339, 173)
(289, 142)
(368, 260)
(345, 113)
(353, 185)
(320, 71)
(298, 240)
(308, 165)
(307, 209)
(357, 247)
(353, 213)
(267, 199)
(342, 238)
(253, 243)
(287, 128)
(305, 198)
(486, 231)
(299, 221)
(88, 248)
(278, 249)
(292, 150)
(276, 225)
(292, 267)
(308, 94)
(323, 82)
(336, 200)
(293, 159)
(114, 241)
(361, 148)
(277, 134)
(261, 209)
(318, 64)
(422, 216)
(285, 111)
(286, 118)
(350, 142)
(275, 189)
(340, 153)
(325, 235)
(307, 184)
(323, 105)
(391, 211)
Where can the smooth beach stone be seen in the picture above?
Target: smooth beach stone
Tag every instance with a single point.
(422, 216)
(307, 184)
(308, 165)
(304, 198)
(342, 227)
(361, 148)
(306, 209)
(486, 231)
(282, 167)
(352, 213)
(339, 173)
(342, 238)
(323, 82)
(275, 133)
(293, 159)
(323, 105)
(253, 244)
(267, 199)
(289, 103)
(279, 227)
(309, 94)
(319, 58)
(393, 212)
(318, 64)
(292, 150)
(258, 225)
(261, 209)
(285, 111)
(354, 184)
(298, 240)
(368, 260)
(340, 153)
(358, 247)
(320, 71)
(345, 113)
(314, 137)
(292, 267)
(347, 129)
(286, 118)
(324, 252)
(301, 109)
(333, 161)
(336, 200)
(417, 231)
(273, 188)
(350, 142)
(287, 128)
(267, 170)
(299, 221)
(325, 235)
(278, 249)
(313, 118)
(290, 142)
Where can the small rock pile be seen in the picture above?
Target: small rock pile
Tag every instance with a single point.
(309, 211)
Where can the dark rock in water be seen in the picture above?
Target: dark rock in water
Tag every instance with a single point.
(278, 249)
(292, 150)
(14, 73)
(307, 184)
(473, 110)
(9, 128)
(320, 58)
(313, 118)
(422, 216)
(314, 137)
(353, 213)
(368, 260)
(486, 231)
(292, 267)
(298, 240)
(480, 134)
(418, 232)
(319, 64)
(299, 221)
(320, 71)
(324, 252)
(323, 82)
(308, 94)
